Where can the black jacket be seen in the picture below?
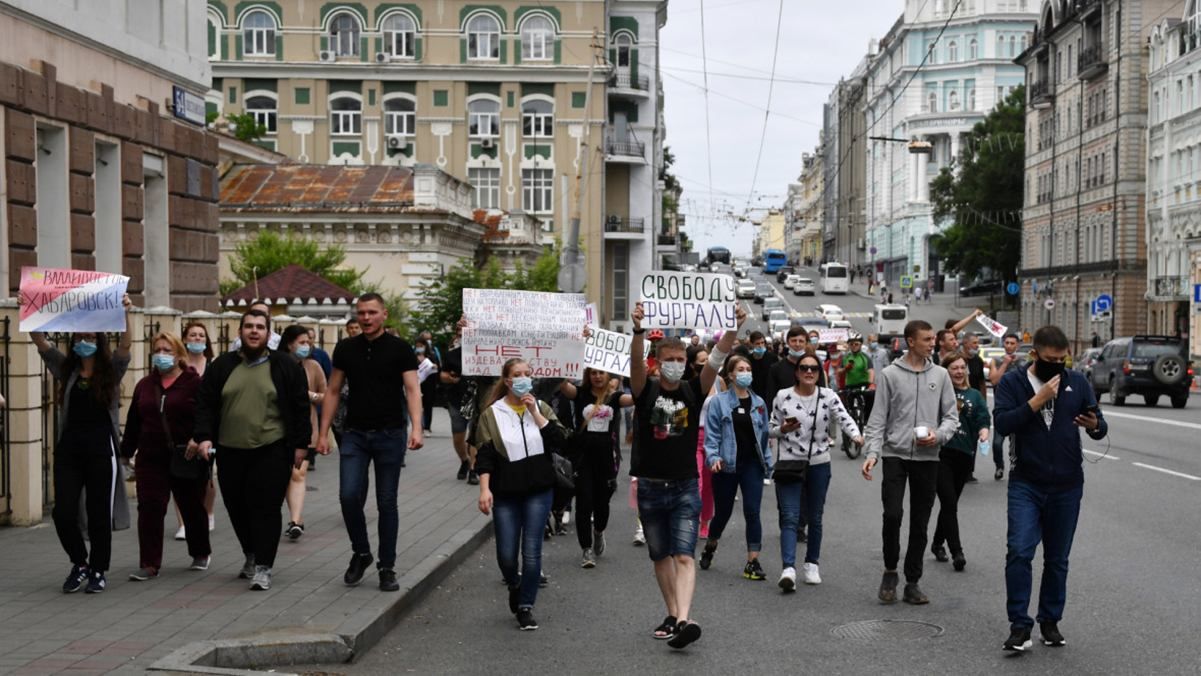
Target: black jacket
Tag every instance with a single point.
(291, 388)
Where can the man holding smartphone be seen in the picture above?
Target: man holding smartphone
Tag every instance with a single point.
(1043, 406)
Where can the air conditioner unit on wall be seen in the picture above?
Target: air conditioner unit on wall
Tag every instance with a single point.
(382, 57)
(487, 142)
(327, 55)
(397, 141)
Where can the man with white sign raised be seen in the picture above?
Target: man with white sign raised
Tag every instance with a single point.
(663, 459)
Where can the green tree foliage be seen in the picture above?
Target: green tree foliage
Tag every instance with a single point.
(983, 198)
(269, 251)
(245, 128)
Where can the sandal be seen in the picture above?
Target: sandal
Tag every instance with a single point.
(666, 630)
(686, 633)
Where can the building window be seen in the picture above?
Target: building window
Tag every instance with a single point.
(953, 100)
(1013, 41)
(972, 49)
(537, 38)
(537, 194)
(621, 278)
(537, 119)
(932, 102)
(214, 35)
(952, 51)
(258, 34)
(623, 45)
(487, 187)
(263, 108)
(345, 116)
(344, 35)
(400, 35)
(483, 37)
(400, 116)
(483, 118)
(971, 98)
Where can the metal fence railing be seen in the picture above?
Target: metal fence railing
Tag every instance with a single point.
(5, 434)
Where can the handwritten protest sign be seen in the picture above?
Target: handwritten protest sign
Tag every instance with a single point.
(71, 300)
(591, 316)
(997, 329)
(689, 300)
(608, 351)
(826, 336)
(545, 329)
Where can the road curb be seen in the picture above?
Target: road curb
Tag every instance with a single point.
(303, 645)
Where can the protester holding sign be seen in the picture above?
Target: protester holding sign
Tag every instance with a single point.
(689, 300)
(664, 461)
(85, 457)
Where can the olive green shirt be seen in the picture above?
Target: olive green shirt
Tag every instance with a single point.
(250, 415)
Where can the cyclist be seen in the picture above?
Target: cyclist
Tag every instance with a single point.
(859, 376)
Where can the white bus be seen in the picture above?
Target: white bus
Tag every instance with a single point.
(834, 278)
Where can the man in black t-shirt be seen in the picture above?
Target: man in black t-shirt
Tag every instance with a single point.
(456, 394)
(761, 363)
(380, 371)
(663, 460)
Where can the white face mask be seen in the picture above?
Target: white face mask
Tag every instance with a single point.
(672, 371)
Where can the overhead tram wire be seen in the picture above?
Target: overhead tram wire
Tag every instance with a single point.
(771, 85)
(708, 133)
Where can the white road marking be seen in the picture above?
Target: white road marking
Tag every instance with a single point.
(1110, 413)
(1101, 455)
(1182, 475)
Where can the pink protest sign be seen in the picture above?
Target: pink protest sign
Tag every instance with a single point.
(71, 300)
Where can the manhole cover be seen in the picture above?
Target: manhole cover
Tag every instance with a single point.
(905, 630)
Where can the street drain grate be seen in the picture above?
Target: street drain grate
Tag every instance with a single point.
(905, 630)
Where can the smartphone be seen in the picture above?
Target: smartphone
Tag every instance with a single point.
(1094, 409)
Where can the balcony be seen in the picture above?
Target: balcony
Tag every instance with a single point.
(1042, 94)
(665, 240)
(1091, 63)
(620, 227)
(1170, 288)
(625, 149)
(624, 83)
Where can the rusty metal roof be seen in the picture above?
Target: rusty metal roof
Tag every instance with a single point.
(289, 284)
(299, 188)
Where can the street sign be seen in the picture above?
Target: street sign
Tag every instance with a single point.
(1197, 293)
(1013, 288)
(1049, 303)
(872, 251)
(187, 106)
(906, 282)
(1104, 303)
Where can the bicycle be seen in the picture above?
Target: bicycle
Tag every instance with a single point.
(855, 399)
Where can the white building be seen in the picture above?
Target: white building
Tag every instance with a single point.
(934, 88)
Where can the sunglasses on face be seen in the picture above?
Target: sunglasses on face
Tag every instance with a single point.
(808, 368)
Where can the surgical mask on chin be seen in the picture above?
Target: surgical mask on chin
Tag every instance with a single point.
(672, 371)
(1046, 370)
(758, 351)
(795, 354)
(163, 362)
(303, 351)
(522, 385)
(196, 348)
(973, 353)
(744, 379)
(84, 348)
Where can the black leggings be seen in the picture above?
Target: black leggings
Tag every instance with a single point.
(253, 485)
(922, 478)
(954, 467)
(86, 471)
(594, 487)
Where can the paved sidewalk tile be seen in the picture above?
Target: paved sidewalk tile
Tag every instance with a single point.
(132, 624)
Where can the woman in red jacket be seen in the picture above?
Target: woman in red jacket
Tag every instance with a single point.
(160, 420)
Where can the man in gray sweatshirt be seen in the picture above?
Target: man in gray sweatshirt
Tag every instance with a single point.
(914, 415)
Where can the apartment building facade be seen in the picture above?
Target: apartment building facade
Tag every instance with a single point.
(538, 105)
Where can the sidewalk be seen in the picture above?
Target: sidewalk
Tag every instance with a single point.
(308, 612)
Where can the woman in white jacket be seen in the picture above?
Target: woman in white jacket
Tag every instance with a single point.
(799, 421)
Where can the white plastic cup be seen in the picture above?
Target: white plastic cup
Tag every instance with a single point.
(921, 432)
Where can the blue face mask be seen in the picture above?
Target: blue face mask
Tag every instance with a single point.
(420, 350)
(522, 385)
(84, 348)
(303, 351)
(196, 348)
(744, 379)
(758, 351)
(163, 362)
(795, 354)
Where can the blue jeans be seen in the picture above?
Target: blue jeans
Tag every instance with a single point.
(749, 477)
(386, 448)
(519, 521)
(670, 513)
(789, 497)
(1050, 516)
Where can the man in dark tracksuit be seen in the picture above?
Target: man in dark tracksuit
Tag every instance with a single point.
(1043, 406)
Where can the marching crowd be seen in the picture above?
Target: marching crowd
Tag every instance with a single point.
(705, 423)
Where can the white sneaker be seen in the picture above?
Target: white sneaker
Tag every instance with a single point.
(788, 579)
(212, 523)
(767, 482)
(809, 570)
(181, 534)
(262, 579)
(566, 518)
(639, 537)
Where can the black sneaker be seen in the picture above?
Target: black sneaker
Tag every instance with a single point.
(525, 619)
(1018, 641)
(999, 474)
(514, 598)
(707, 555)
(686, 633)
(96, 582)
(294, 530)
(358, 566)
(940, 553)
(888, 589)
(959, 562)
(914, 595)
(543, 579)
(473, 478)
(463, 468)
(1051, 635)
(387, 580)
(971, 479)
(75, 579)
(753, 571)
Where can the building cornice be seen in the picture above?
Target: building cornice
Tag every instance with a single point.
(572, 74)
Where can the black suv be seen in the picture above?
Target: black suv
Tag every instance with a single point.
(1144, 365)
(783, 272)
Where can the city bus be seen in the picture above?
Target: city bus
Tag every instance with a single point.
(834, 278)
(718, 254)
(773, 260)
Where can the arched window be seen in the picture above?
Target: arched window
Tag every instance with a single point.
(258, 34)
(400, 35)
(952, 51)
(971, 99)
(537, 38)
(483, 37)
(345, 116)
(400, 116)
(952, 100)
(623, 45)
(483, 118)
(214, 35)
(263, 108)
(344, 33)
(1023, 42)
(973, 48)
(1013, 41)
(537, 118)
(932, 102)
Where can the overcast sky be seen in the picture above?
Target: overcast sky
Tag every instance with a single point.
(820, 41)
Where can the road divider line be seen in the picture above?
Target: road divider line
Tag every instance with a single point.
(1110, 413)
(1101, 455)
(1182, 475)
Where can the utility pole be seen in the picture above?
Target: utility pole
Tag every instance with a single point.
(571, 272)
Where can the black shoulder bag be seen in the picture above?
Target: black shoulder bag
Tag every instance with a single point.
(180, 468)
(795, 471)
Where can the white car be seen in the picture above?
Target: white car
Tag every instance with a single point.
(838, 322)
(791, 281)
(779, 321)
(746, 288)
(804, 287)
(826, 310)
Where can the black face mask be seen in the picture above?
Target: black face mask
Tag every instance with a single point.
(1046, 370)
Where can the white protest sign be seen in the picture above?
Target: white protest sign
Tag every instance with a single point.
(590, 315)
(689, 300)
(997, 329)
(825, 336)
(54, 299)
(608, 351)
(545, 329)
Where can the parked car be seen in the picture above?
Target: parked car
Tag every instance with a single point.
(783, 272)
(826, 310)
(739, 270)
(804, 287)
(746, 288)
(764, 291)
(981, 287)
(838, 322)
(791, 281)
(1084, 363)
(770, 305)
(1145, 365)
(778, 321)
